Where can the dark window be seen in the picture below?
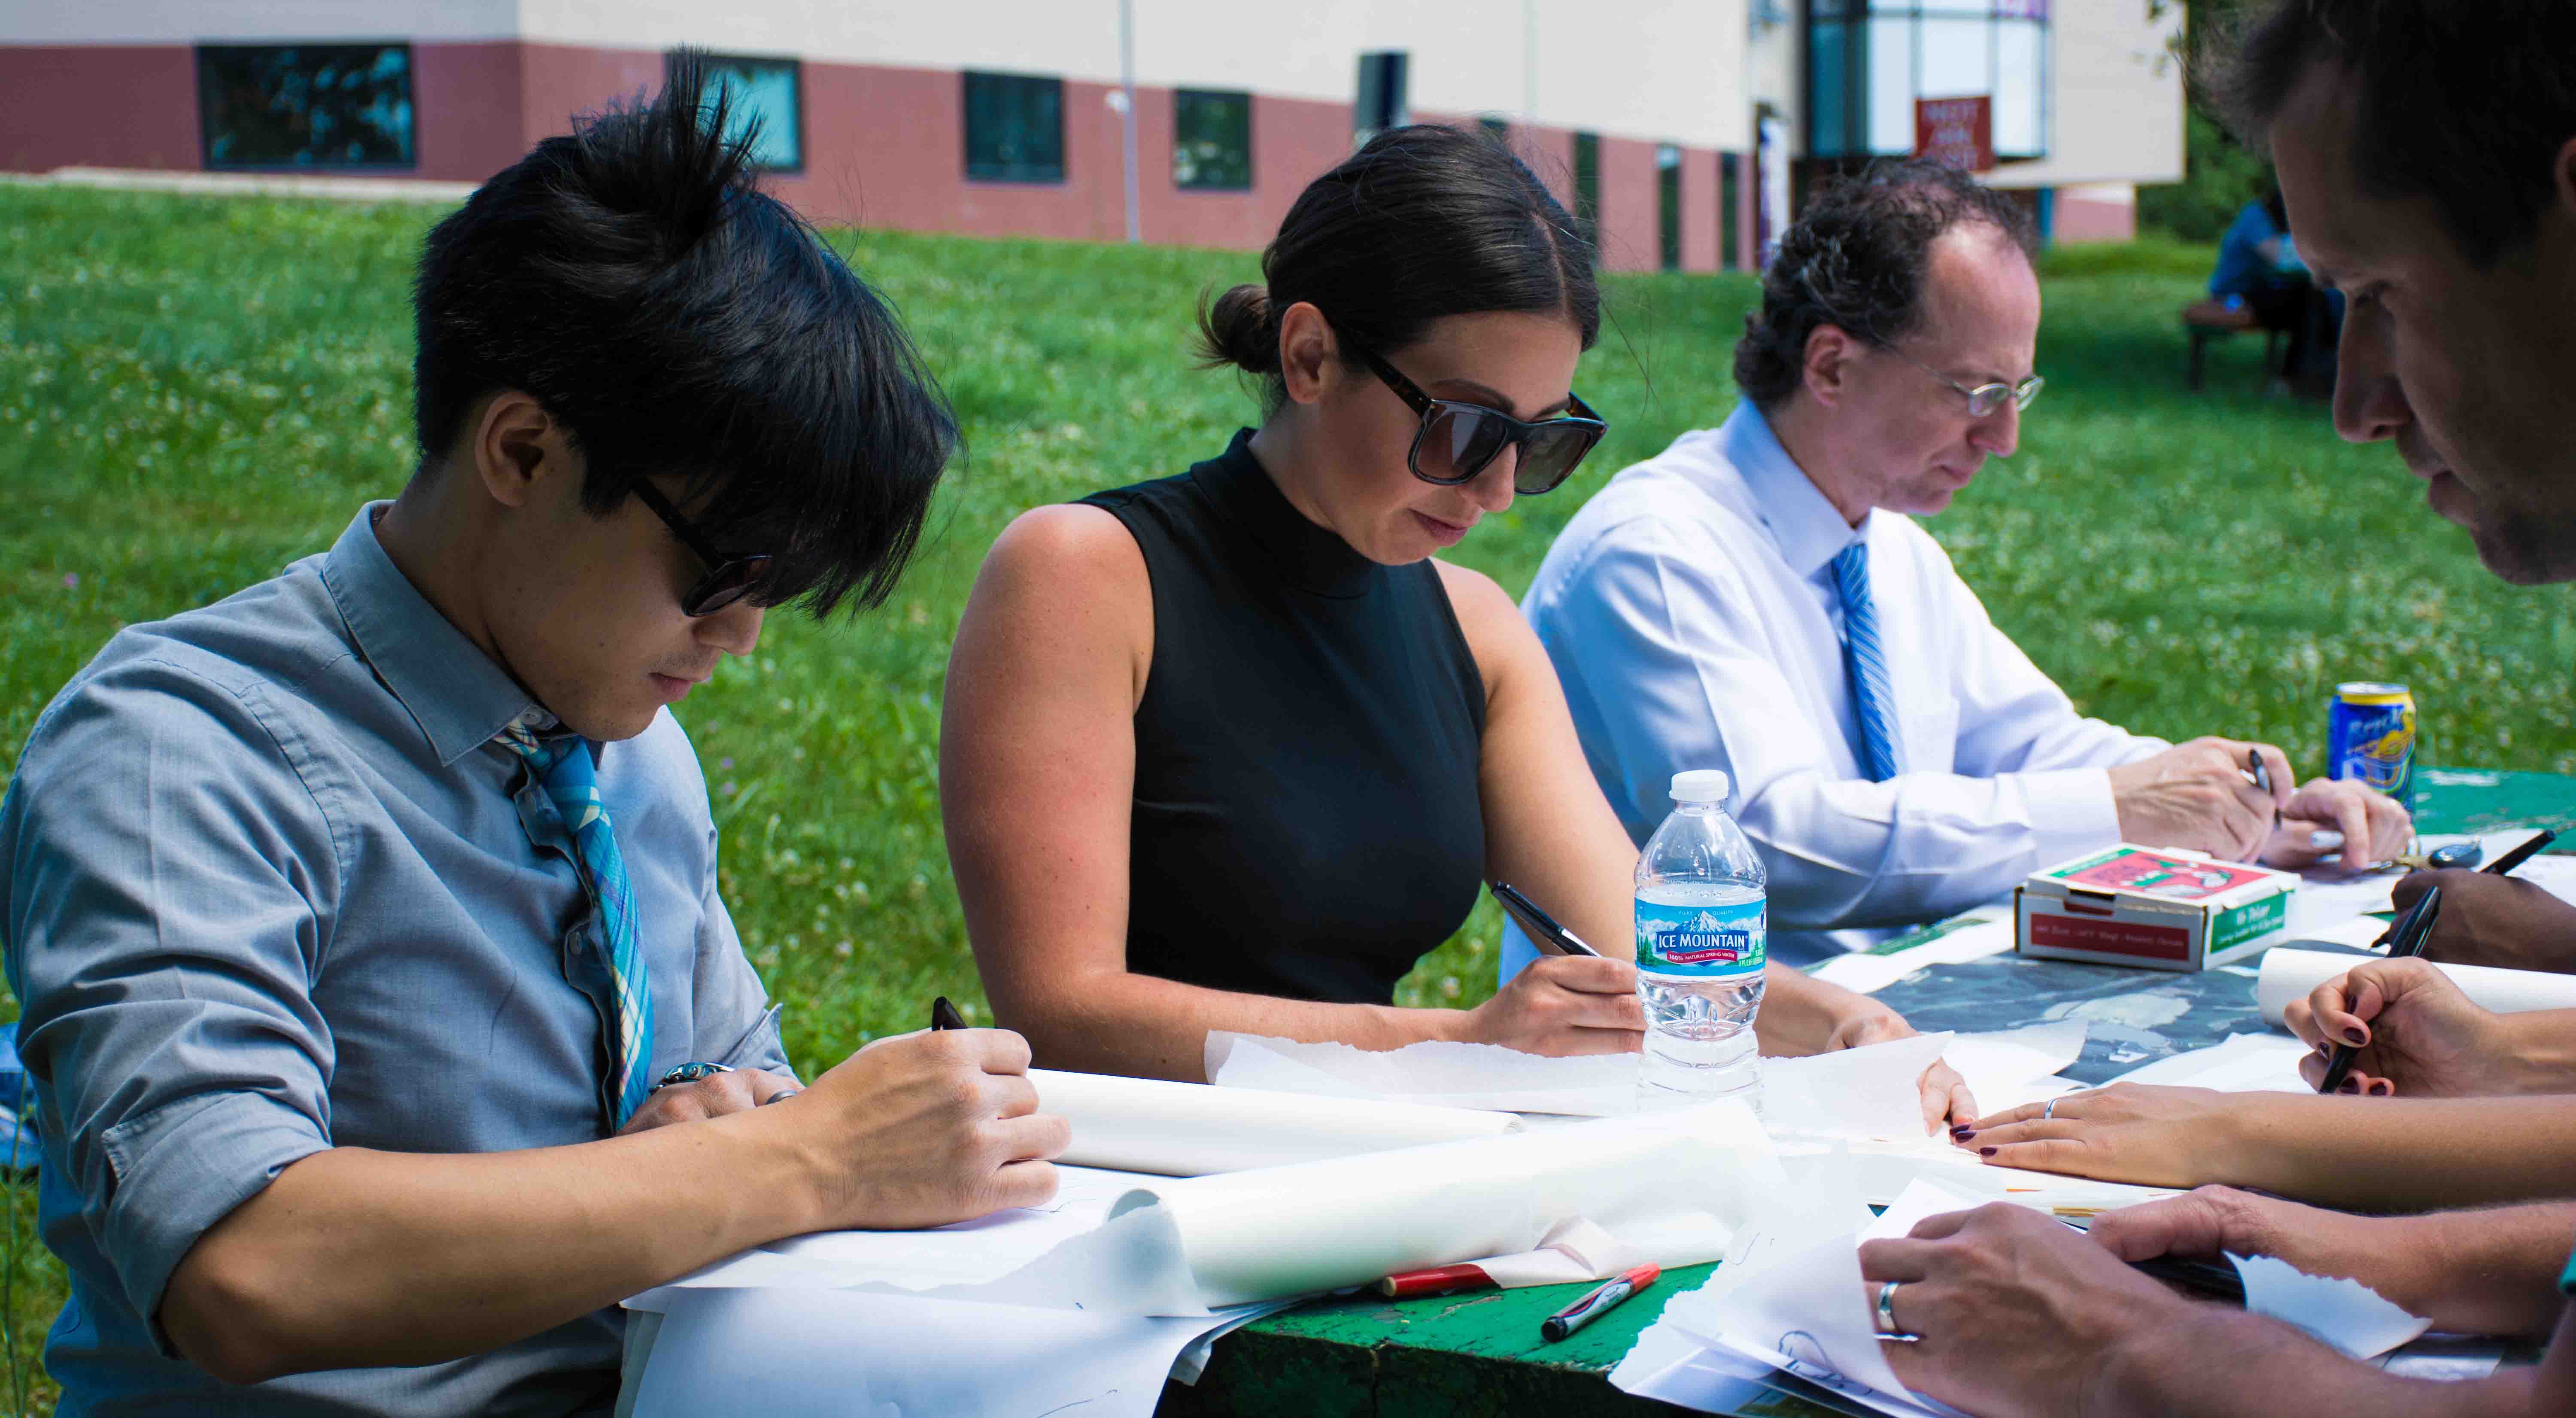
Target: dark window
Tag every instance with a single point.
(1587, 188)
(1730, 211)
(305, 105)
(1014, 128)
(1211, 141)
(770, 92)
(1668, 205)
(1382, 104)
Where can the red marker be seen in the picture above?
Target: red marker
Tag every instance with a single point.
(1441, 1280)
(1597, 1303)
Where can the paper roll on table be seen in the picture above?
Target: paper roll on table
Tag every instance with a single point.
(1293, 1230)
(1193, 1130)
(2291, 974)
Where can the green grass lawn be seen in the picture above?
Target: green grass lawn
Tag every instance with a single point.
(196, 391)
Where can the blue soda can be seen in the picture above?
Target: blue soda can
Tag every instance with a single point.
(2370, 736)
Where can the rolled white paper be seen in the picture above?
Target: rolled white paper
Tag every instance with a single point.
(1264, 1235)
(2291, 974)
(1196, 1129)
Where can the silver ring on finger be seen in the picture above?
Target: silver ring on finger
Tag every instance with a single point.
(1887, 1327)
(2048, 1112)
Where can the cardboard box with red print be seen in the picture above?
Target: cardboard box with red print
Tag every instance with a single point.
(2158, 908)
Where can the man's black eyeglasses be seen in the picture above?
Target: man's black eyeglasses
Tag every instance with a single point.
(1459, 440)
(728, 578)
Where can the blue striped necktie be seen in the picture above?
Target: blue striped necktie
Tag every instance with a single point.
(1864, 665)
(563, 767)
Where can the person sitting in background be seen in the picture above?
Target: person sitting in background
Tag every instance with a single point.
(2428, 153)
(357, 916)
(1232, 750)
(1758, 598)
(2259, 271)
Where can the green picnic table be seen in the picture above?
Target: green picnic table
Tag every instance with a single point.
(1480, 1356)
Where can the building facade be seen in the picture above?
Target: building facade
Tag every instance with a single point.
(1682, 128)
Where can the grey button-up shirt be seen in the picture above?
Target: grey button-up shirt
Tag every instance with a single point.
(271, 888)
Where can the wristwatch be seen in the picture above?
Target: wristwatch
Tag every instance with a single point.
(691, 1072)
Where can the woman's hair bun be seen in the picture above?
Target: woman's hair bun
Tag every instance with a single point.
(1240, 329)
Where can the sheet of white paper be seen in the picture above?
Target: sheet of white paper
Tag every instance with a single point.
(968, 1253)
(1809, 1312)
(1860, 1092)
(2010, 1067)
(1983, 933)
(1672, 1186)
(1669, 1365)
(2290, 974)
(1193, 1129)
(1871, 1091)
(831, 1353)
(2344, 1313)
(1434, 1071)
(2242, 1063)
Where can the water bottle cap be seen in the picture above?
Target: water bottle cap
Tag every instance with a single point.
(1700, 785)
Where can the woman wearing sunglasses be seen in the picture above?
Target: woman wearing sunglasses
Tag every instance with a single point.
(1231, 751)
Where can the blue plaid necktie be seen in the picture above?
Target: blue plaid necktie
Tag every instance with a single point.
(571, 780)
(1864, 665)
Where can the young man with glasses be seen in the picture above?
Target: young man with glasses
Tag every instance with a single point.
(386, 1022)
(1745, 601)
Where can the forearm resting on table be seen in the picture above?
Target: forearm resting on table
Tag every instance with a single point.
(1801, 1013)
(2402, 1154)
(1140, 1025)
(2220, 1362)
(354, 1257)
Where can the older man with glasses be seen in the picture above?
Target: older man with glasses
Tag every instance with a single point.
(1738, 602)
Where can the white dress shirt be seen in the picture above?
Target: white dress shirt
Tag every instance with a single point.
(1692, 613)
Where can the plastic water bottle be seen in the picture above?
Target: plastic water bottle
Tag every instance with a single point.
(1702, 939)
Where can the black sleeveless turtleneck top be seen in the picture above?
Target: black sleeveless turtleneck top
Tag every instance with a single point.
(1307, 822)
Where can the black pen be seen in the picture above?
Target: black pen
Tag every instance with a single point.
(2504, 865)
(2216, 1279)
(1541, 926)
(944, 1015)
(2405, 938)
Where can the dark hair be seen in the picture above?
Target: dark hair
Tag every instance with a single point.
(1421, 223)
(1855, 260)
(632, 280)
(2465, 104)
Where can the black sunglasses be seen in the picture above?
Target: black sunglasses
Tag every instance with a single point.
(1459, 440)
(728, 578)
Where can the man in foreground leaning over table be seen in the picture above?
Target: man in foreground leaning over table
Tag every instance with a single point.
(2429, 157)
(356, 916)
(1759, 598)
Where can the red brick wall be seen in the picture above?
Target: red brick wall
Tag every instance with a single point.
(476, 92)
(99, 106)
(884, 146)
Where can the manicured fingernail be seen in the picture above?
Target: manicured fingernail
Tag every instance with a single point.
(1963, 1134)
(2355, 1037)
(2325, 1049)
(2350, 1085)
(1985, 1152)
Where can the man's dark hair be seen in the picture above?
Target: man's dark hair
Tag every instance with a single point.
(632, 280)
(2467, 104)
(1855, 259)
(1423, 222)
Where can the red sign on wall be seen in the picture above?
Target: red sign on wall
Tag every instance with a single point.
(1956, 132)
